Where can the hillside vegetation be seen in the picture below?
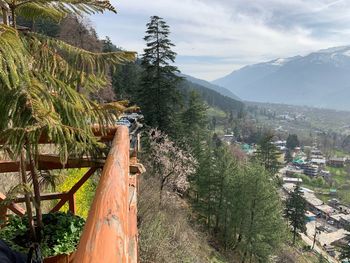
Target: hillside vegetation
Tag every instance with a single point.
(201, 200)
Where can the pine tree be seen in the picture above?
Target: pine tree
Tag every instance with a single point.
(261, 229)
(267, 154)
(158, 95)
(292, 141)
(194, 119)
(345, 249)
(321, 259)
(288, 156)
(39, 79)
(295, 211)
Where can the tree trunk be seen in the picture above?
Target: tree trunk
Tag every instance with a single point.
(294, 235)
(13, 14)
(37, 197)
(5, 16)
(27, 197)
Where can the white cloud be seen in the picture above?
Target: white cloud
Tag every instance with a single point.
(244, 31)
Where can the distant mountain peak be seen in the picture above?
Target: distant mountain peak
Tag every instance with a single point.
(282, 61)
(339, 49)
(318, 79)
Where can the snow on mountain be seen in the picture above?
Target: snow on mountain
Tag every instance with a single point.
(319, 79)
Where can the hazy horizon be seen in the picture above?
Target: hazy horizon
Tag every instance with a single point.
(213, 38)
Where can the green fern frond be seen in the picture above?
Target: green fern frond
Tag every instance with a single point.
(71, 6)
(34, 10)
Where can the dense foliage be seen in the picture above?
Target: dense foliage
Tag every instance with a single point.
(239, 205)
(295, 211)
(84, 196)
(292, 141)
(158, 92)
(60, 233)
(267, 154)
(45, 85)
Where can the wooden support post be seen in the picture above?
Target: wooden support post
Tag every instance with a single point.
(3, 213)
(71, 202)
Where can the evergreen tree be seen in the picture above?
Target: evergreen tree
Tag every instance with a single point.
(321, 259)
(267, 154)
(295, 211)
(195, 116)
(288, 156)
(292, 141)
(39, 79)
(261, 228)
(345, 249)
(126, 77)
(158, 95)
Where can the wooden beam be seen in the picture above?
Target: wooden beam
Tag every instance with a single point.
(74, 189)
(51, 162)
(104, 135)
(13, 207)
(43, 197)
(137, 168)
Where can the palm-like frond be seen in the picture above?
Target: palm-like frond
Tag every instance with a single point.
(39, 81)
(13, 60)
(65, 6)
(32, 10)
(64, 61)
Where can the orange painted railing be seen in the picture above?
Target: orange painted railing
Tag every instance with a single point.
(110, 233)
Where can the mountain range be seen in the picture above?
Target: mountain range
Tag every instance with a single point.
(319, 79)
(223, 91)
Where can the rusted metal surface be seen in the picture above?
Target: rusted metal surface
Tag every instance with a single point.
(105, 236)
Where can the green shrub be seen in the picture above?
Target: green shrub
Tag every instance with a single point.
(60, 234)
(84, 196)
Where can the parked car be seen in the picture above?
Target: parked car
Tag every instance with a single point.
(331, 222)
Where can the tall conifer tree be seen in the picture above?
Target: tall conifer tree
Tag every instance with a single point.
(267, 154)
(158, 93)
(295, 211)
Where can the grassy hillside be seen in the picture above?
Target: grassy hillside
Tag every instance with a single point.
(212, 98)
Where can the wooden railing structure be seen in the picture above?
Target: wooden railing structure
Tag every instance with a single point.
(110, 233)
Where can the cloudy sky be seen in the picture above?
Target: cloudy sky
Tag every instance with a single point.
(215, 37)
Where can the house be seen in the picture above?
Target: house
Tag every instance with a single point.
(344, 209)
(292, 180)
(316, 152)
(345, 220)
(336, 162)
(228, 138)
(318, 161)
(291, 171)
(325, 174)
(310, 216)
(310, 169)
(333, 191)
